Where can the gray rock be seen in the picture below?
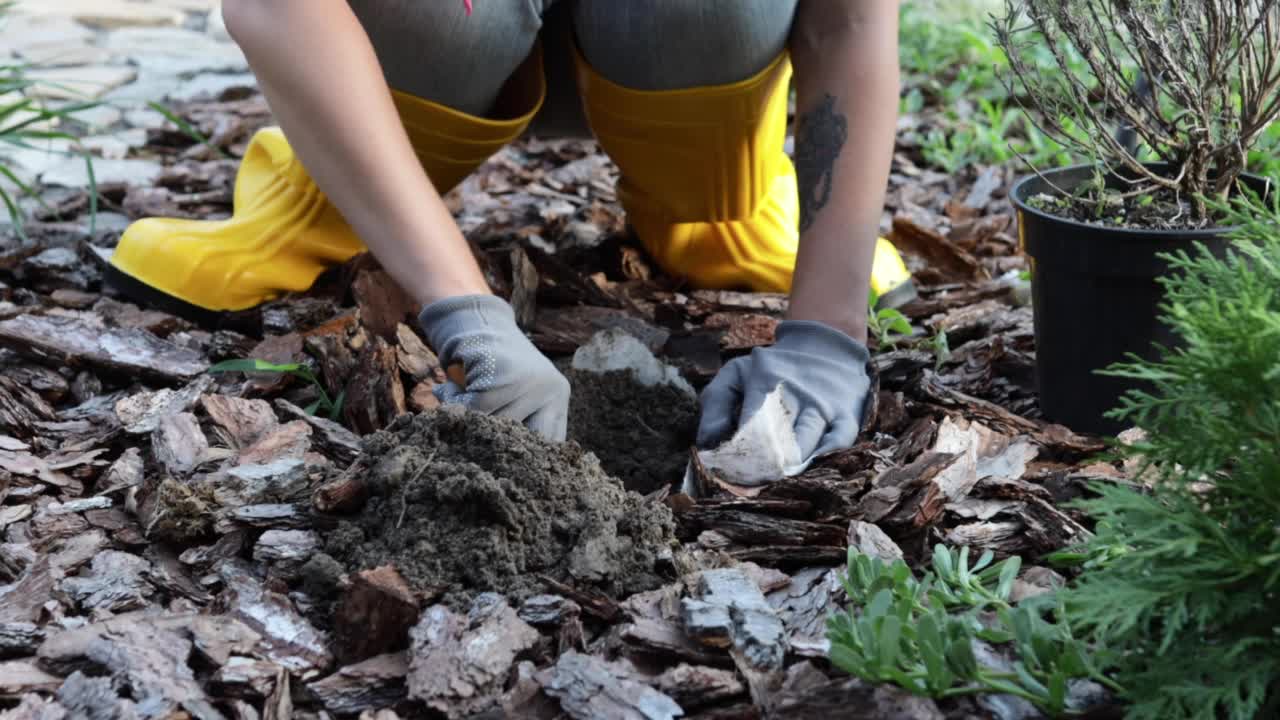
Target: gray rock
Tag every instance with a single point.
(88, 82)
(108, 14)
(212, 85)
(146, 119)
(100, 117)
(72, 172)
(115, 146)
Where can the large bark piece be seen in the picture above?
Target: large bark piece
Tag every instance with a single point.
(35, 707)
(338, 443)
(239, 422)
(178, 444)
(31, 572)
(459, 663)
(871, 540)
(809, 694)
(414, 357)
(694, 686)
(383, 304)
(19, 639)
(21, 408)
(124, 473)
(288, 639)
(374, 615)
(750, 528)
(377, 682)
(149, 658)
(727, 609)
(804, 606)
(662, 638)
(141, 413)
(95, 697)
(75, 343)
(18, 677)
(374, 395)
(116, 581)
(590, 688)
(943, 256)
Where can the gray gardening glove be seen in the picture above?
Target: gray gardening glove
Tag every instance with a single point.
(824, 377)
(505, 374)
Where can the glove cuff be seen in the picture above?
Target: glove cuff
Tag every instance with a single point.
(444, 319)
(816, 338)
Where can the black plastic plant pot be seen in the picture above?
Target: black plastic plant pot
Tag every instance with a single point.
(1096, 299)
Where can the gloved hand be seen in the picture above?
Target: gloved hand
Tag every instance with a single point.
(505, 374)
(824, 377)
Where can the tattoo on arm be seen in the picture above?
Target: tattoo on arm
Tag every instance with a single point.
(820, 136)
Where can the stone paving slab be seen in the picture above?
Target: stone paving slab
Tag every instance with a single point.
(124, 54)
(106, 14)
(87, 82)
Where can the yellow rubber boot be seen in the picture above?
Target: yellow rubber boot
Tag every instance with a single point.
(283, 231)
(890, 280)
(704, 179)
(706, 183)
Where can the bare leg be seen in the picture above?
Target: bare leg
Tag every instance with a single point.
(319, 72)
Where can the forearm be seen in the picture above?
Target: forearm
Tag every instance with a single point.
(845, 55)
(321, 77)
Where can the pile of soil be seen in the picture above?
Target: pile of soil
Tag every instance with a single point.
(468, 503)
(641, 434)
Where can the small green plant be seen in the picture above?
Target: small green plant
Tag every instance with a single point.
(941, 349)
(920, 635)
(331, 407)
(956, 65)
(952, 61)
(993, 135)
(1186, 578)
(887, 325)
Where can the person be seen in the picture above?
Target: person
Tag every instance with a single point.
(383, 105)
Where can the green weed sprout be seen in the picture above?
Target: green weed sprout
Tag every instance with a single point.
(331, 407)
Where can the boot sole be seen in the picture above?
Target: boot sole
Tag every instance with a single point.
(248, 321)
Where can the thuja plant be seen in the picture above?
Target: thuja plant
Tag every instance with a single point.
(1191, 603)
(1193, 83)
(921, 634)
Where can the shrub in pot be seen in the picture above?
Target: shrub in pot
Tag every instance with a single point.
(1164, 98)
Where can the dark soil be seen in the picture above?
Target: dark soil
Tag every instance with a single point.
(641, 434)
(467, 503)
(1160, 210)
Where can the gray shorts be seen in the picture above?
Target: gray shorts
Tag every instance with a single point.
(432, 49)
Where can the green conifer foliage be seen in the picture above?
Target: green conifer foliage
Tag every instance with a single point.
(1188, 596)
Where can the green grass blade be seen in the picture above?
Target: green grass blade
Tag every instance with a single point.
(93, 192)
(253, 365)
(188, 130)
(15, 216)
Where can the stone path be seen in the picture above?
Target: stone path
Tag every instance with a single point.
(123, 53)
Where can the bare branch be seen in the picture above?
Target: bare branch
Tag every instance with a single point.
(1214, 65)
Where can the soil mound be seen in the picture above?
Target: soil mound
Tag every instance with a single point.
(470, 503)
(641, 434)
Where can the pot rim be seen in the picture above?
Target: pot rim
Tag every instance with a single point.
(1019, 189)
